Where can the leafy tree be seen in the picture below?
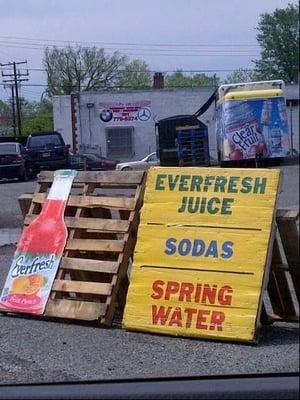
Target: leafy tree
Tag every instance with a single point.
(5, 113)
(136, 75)
(41, 122)
(278, 36)
(35, 116)
(45, 106)
(179, 79)
(80, 69)
(240, 75)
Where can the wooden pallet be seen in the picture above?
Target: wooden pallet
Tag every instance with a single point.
(284, 279)
(102, 217)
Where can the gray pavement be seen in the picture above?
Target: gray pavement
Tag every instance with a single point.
(35, 350)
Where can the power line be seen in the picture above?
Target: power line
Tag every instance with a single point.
(192, 71)
(42, 46)
(132, 43)
(165, 54)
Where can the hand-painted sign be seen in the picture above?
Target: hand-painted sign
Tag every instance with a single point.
(39, 251)
(201, 252)
(125, 112)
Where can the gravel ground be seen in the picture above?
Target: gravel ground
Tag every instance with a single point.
(33, 350)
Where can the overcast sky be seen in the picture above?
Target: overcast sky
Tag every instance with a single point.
(168, 34)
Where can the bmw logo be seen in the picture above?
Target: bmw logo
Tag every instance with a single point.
(106, 115)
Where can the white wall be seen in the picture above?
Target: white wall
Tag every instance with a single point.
(62, 117)
(164, 103)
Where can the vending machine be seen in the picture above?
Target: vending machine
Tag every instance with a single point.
(251, 121)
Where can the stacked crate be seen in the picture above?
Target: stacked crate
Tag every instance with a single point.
(192, 146)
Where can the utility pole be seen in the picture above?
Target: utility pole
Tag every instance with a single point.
(15, 78)
(17, 100)
(13, 108)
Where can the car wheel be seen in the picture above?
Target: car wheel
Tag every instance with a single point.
(126, 169)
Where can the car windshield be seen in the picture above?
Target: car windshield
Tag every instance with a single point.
(153, 157)
(8, 148)
(44, 140)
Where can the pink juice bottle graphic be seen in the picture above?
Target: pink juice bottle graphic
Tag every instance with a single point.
(38, 252)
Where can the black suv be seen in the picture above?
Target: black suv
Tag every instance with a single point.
(47, 150)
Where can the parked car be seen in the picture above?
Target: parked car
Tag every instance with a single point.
(150, 160)
(91, 162)
(14, 161)
(47, 150)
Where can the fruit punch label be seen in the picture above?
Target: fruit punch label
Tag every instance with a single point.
(29, 282)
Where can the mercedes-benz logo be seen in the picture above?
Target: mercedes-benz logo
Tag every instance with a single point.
(106, 115)
(144, 114)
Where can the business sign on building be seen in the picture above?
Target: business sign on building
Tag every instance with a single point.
(200, 257)
(139, 111)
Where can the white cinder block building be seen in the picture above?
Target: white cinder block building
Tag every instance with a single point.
(121, 124)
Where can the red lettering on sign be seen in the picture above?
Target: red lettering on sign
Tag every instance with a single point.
(186, 291)
(192, 293)
(159, 291)
(172, 288)
(217, 319)
(190, 313)
(209, 293)
(176, 318)
(181, 317)
(222, 298)
(161, 315)
(201, 318)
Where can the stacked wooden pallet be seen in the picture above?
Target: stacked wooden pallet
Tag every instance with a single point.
(102, 217)
(192, 146)
(284, 279)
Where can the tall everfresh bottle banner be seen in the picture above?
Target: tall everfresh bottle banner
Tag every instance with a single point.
(39, 251)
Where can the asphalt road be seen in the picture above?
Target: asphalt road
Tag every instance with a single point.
(33, 350)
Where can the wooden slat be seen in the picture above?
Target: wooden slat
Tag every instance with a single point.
(83, 264)
(74, 309)
(289, 235)
(270, 318)
(82, 287)
(278, 287)
(102, 225)
(24, 203)
(93, 212)
(119, 203)
(119, 178)
(287, 214)
(280, 267)
(95, 245)
(86, 190)
(123, 259)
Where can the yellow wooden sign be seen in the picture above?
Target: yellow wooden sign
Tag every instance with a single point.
(200, 257)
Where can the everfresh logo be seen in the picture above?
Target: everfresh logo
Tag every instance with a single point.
(28, 266)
